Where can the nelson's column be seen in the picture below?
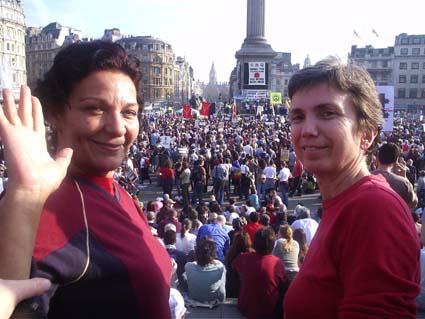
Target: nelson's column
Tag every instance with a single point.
(254, 57)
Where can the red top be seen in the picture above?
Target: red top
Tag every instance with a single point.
(363, 261)
(107, 183)
(297, 171)
(166, 173)
(129, 270)
(261, 277)
(251, 228)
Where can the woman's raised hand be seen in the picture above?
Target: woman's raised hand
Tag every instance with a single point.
(22, 131)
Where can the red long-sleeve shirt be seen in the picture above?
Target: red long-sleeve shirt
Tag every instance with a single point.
(363, 261)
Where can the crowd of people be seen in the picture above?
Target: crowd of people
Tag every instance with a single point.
(106, 254)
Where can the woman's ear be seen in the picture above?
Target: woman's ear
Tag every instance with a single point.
(368, 136)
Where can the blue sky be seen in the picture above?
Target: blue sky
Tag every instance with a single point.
(213, 30)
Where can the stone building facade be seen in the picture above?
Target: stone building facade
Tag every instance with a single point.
(12, 45)
(157, 67)
(378, 62)
(42, 45)
(409, 71)
(402, 66)
(281, 71)
(183, 81)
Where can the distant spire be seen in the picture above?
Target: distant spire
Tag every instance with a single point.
(307, 62)
(213, 75)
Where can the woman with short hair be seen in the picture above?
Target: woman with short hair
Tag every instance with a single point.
(90, 239)
(356, 266)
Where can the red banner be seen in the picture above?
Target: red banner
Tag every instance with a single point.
(205, 110)
(187, 111)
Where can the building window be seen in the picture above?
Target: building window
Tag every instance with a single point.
(402, 79)
(403, 65)
(414, 78)
(401, 93)
(416, 51)
(415, 65)
(156, 70)
(423, 65)
(384, 64)
(416, 40)
(157, 93)
(404, 51)
(404, 41)
(373, 64)
(423, 93)
(413, 93)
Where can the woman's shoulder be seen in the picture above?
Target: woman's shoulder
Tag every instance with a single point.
(280, 240)
(370, 190)
(191, 265)
(295, 244)
(188, 236)
(217, 264)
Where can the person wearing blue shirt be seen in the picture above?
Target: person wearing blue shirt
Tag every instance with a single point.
(216, 231)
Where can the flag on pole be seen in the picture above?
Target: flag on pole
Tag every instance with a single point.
(275, 98)
(375, 33)
(356, 34)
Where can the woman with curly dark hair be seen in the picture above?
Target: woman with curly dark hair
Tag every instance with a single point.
(90, 239)
(206, 276)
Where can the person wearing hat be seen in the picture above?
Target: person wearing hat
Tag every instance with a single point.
(166, 209)
(172, 219)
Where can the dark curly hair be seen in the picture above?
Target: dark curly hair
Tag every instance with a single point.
(76, 62)
(205, 251)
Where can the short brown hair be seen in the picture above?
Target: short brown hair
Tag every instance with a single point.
(346, 77)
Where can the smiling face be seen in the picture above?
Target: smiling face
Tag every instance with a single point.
(325, 131)
(100, 123)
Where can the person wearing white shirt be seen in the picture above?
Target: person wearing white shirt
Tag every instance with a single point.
(305, 222)
(283, 177)
(248, 149)
(186, 241)
(270, 172)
